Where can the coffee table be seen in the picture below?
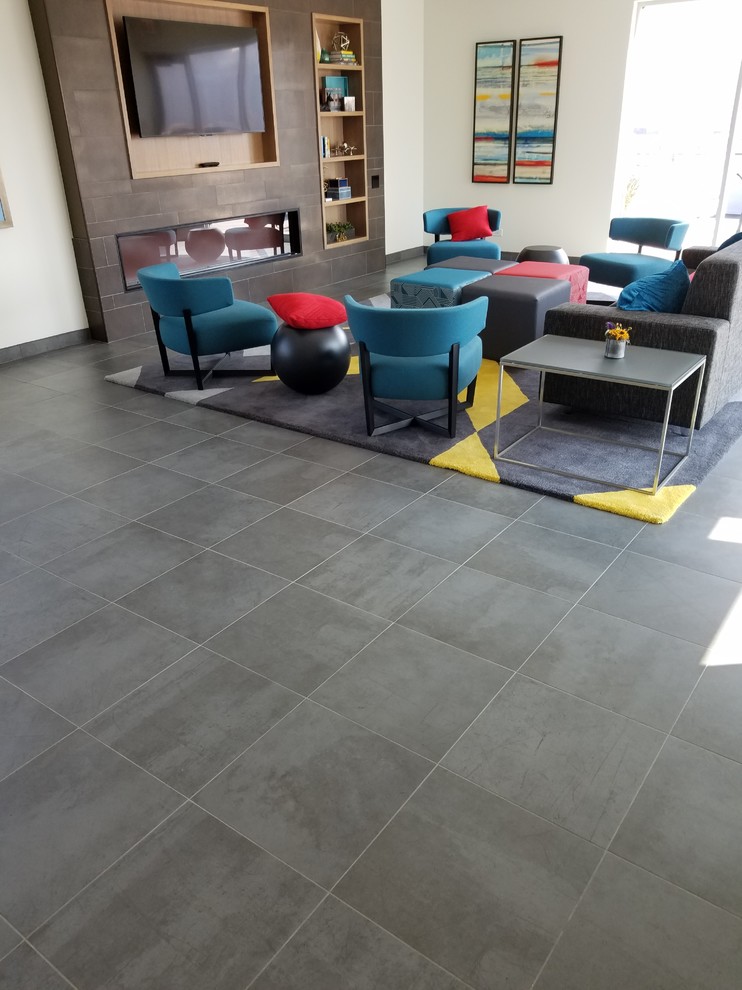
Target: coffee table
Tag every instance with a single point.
(646, 367)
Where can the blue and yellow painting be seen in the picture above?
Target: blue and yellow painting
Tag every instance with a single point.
(493, 111)
(538, 94)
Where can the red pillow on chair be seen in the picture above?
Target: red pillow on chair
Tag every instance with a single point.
(469, 225)
(308, 311)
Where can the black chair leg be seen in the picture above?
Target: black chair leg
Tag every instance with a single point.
(470, 393)
(368, 399)
(160, 346)
(453, 389)
(192, 343)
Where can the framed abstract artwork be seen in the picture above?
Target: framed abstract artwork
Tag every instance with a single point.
(5, 218)
(538, 97)
(493, 111)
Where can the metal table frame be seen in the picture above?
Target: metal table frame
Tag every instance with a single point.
(499, 455)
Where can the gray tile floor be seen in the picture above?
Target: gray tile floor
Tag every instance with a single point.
(281, 714)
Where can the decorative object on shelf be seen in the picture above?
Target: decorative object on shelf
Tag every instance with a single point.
(349, 104)
(324, 56)
(5, 218)
(536, 119)
(344, 150)
(493, 111)
(334, 101)
(339, 230)
(340, 42)
(616, 339)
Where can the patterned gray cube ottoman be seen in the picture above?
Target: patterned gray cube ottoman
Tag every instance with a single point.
(431, 288)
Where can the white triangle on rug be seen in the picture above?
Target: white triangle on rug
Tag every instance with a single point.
(194, 395)
(129, 377)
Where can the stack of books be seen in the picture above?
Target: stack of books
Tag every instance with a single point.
(338, 189)
(346, 56)
(324, 147)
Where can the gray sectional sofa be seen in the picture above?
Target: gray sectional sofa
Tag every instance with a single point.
(710, 323)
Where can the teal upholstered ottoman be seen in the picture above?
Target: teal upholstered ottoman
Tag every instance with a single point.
(431, 288)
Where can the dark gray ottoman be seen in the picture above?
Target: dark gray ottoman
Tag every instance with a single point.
(544, 252)
(473, 264)
(516, 309)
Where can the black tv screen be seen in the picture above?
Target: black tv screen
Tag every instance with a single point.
(194, 78)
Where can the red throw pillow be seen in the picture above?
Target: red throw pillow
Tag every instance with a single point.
(308, 311)
(469, 225)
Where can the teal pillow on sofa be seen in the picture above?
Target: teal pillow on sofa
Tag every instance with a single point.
(661, 293)
(730, 240)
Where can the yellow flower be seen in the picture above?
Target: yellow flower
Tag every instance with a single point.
(616, 331)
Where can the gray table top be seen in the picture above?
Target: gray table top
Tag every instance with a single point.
(649, 366)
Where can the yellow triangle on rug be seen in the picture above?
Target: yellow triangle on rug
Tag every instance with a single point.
(640, 505)
(484, 410)
(469, 456)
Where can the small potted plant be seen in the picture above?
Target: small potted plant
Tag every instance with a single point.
(339, 230)
(616, 339)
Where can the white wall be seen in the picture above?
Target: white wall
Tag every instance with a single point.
(574, 211)
(402, 41)
(39, 288)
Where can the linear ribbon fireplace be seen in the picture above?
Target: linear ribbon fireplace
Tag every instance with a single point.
(212, 245)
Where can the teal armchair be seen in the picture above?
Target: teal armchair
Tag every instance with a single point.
(617, 268)
(418, 354)
(435, 222)
(200, 316)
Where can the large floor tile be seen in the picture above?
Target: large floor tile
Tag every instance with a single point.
(155, 440)
(633, 931)
(190, 721)
(571, 762)
(121, 561)
(280, 478)
(545, 560)
(439, 526)
(8, 938)
(82, 469)
(195, 906)
(476, 884)
(97, 423)
(579, 520)
(210, 515)
(46, 533)
(298, 638)
(315, 790)
(338, 949)
(329, 452)
(29, 450)
(713, 716)
(140, 491)
(288, 543)
(51, 845)
(409, 474)
(360, 503)
(685, 824)
(487, 616)
(630, 669)
(715, 500)
(274, 438)
(19, 495)
(24, 969)
(378, 576)
(481, 494)
(12, 566)
(213, 459)
(666, 597)
(94, 663)
(207, 420)
(703, 543)
(200, 597)
(37, 605)
(414, 690)
(26, 728)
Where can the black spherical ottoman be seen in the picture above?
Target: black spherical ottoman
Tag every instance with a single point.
(549, 253)
(310, 361)
(310, 351)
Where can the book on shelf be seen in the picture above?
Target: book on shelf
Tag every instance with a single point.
(324, 147)
(341, 192)
(337, 183)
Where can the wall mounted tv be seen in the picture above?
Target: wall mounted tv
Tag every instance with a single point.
(192, 78)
